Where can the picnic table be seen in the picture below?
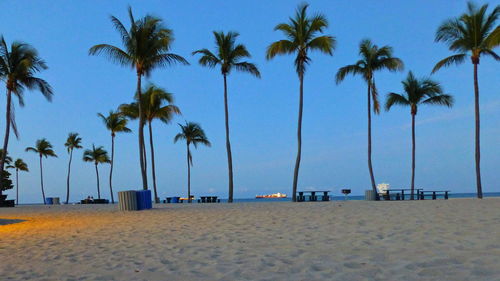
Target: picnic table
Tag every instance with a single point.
(208, 199)
(433, 194)
(399, 194)
(302, 195)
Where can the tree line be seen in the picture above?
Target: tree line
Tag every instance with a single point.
(146, 46)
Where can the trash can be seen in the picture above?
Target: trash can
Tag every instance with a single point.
(175, 199)
(49, 200)
(56, 201)
(144, 199)
(127, 200)
(369, 195)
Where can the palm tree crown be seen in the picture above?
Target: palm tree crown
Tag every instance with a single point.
(419, 91)
(97, 155)
(115, 122)
(43, 148)
(19, 165)
(8, 159)
(18, 68)
(301, 36)
(192, 133)
(73, 142)
(228, 55)
(153, 105)
(473, 33)
(372, 59)
(146, 45)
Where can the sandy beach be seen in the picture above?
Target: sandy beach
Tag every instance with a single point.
(457, 239)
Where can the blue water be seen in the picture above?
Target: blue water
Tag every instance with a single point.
(358, 197)
(335, 198)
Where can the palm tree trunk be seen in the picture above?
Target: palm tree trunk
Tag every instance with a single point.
(41, 180)
(98, 187)
(17, 186)
(370, 168)
(111, 168)
(69, 172)
(228, 144)
(7, 133)
(478, 145)
(141, 136)
(157, 200)
(412, 156)
(299, 139)
(189, 175)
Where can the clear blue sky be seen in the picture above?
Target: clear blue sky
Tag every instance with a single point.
(263, 112)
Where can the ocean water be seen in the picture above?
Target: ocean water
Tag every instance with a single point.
(334, 198)
(357, 197)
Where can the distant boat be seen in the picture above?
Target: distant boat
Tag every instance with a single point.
(274, 195)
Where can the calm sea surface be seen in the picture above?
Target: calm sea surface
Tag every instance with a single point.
(335, 198)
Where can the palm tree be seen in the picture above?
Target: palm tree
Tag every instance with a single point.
(44, 149)
(115, 122)
(156, 104)
(73, 141)
(18, 67)
(8, 159)
(96, 155)
(228, 56)
(193, 134)
(146, 46)
(301, 38)
(472, 34)
(19, 165)
(372, 59)
(417, 92)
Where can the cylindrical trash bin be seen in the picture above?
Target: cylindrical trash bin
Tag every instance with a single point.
(127, 200)
(369, 195)
(49, 200)
(56, 201)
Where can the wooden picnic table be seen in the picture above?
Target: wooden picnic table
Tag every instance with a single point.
(433, 193)
(313, 197)
(208, 199)
(399, 194)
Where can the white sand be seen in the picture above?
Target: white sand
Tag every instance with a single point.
(458, 239)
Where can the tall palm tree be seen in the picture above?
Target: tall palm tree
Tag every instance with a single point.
(193, 134)
(19, 165)
(372, 59)
(73, 141)
(18, 67)
(417, 92)
(146, 46)
(303, 35)
(473, 34)
(97, 156)
(115, 122)
(156, 104)
(44, 149)
(228, 56)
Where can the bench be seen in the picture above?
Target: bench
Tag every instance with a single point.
(301, 197)
(433, 194)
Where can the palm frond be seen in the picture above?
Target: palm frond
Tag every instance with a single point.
(113, 53)
(454, 59)
(395, 99)
(346, 70)
(281, 47)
